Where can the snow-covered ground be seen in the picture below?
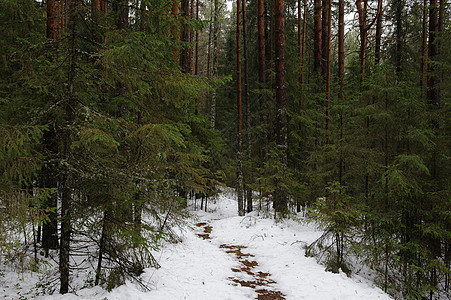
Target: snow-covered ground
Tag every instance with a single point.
(199, 268)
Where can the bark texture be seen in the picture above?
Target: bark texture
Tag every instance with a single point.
(280, 194)
(240, 188)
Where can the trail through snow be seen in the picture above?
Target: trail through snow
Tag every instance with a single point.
(235, 259)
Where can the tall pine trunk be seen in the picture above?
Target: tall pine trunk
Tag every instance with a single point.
(377, 49)
(248, 111)
(261, 72)
(341, 71)
(424, 51)
(239, 176)
(48, 179)
(317, 37)
(363, 30)
(66, 194)
(280, 193)
(326, 55)
(196, 66)
(301, 46)
(214, 63)
(185, 64)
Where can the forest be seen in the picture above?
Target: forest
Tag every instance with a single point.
(115, 114)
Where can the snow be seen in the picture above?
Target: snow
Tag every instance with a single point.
(197, 268)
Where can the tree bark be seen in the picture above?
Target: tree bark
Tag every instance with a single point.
(48, 179)
(377, 49)
(326, 55)
(190, 53)
(434, 94)
(122, 10)
(53, 20)
(175, 35)
(424, 51)
(362, 12)
(341, 72)
(196, 67)
(301, 46)
(317, 37)
(280, 194)
(248, 110)
(399, 36)
(240, 189)
(210, 30)
(185, 37)
(66, 194)
(262, 66)
(214, 63)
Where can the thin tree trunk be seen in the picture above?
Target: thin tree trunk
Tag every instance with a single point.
(50, 227)
(122, 10)
(262, 66)
(48, 179)
(271, 77)
(434, 98)
(377, 49)
(424, 51)
(326, 42)
(101, 247)
(341, 70)
(248, 110)
(175, 35)
(196, 68)
(240, 189)
(362, 12)
(280, 195)
(210, 32)
(399, 36)
(301, 45)
(66, 195)
(214, 63)
(317, 37)
(185, 64)
(190, 55)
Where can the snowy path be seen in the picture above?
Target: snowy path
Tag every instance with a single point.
(246, 273)
(206, 269)
(201, 269)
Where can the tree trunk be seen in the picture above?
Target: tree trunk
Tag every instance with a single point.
(317, 37)
(399, 36)
(190, 53)
(271, 77)
(362, 12)
(66, 194)
(434, 95)
(424, 51)
(175, 35)
(326, 55)
(185, 37)
(240, 189)
(248, 111)
(103, 237)
(214, 63)
(280, 194)
(53, 20)
(301, 45)
(50, 227)
(210, 30)
(122, 10)
(262, 66)
(196, 67)
(341, 71)
(377, 49)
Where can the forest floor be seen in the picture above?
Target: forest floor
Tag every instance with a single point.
(224, 256)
